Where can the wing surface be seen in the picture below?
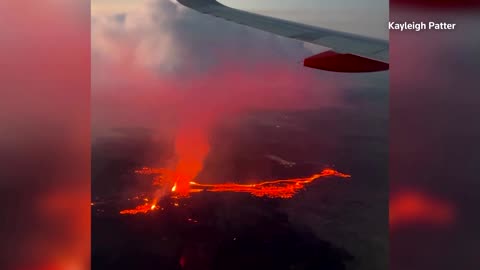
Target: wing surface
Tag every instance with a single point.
(340, 42)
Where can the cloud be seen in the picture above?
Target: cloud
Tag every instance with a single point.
(172, 38)
(164, 53)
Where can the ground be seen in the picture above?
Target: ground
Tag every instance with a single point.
(332, 224)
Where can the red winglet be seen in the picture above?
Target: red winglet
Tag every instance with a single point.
(332, 61)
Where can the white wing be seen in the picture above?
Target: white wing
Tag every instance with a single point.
(339, 42)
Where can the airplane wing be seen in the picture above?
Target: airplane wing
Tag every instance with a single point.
(350, 52)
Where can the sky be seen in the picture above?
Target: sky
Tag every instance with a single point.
(148, 55)
(367, 17)
(178, 73)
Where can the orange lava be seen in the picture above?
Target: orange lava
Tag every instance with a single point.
(413, 207)
(143, 208)
(281, 188)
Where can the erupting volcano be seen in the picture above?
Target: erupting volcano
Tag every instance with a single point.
(192, 146)
(278, 188)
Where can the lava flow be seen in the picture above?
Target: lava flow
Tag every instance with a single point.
(143, 208)
(281, 188)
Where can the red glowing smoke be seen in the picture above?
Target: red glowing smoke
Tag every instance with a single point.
(191, 148)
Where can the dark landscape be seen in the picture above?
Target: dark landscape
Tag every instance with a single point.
(333, 223)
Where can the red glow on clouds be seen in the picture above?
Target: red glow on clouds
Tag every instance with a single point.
(417, 208)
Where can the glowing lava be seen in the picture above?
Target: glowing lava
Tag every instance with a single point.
(143, 208)
(281, 188)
